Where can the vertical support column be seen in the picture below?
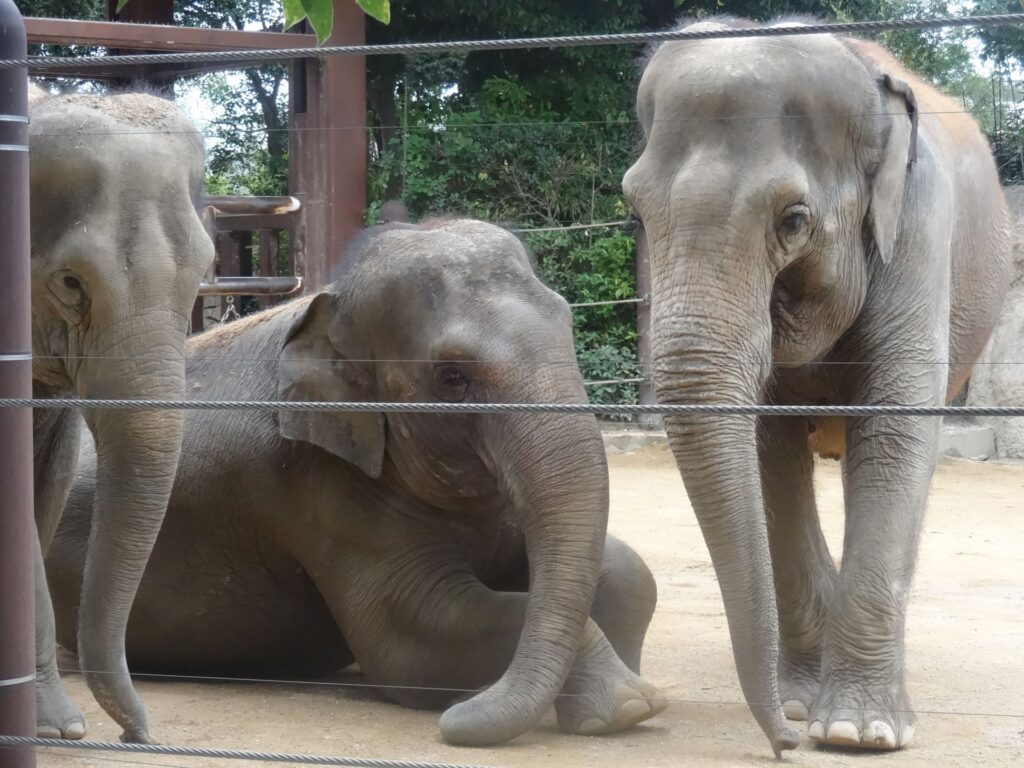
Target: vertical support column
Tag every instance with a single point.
(17, 520)
(269, 242)
(646, 394)
(327, 155)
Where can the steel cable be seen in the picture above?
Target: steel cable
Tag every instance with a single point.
(43, 63)
(224, 754)
(746, 409)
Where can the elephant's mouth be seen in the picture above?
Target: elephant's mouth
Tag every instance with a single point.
(785, 327)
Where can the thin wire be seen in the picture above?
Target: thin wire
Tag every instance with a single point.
(636, 380)
(224, 754)
(96, 758)
(519, 362)
(441, 128)
(44, 63)
(609, 303)
(746, 409)
(453, 691)
(570, 227)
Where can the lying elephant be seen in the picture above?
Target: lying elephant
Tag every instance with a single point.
(118, 250)
(825, 228)
(441, 552)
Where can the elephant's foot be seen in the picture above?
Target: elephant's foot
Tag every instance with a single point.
(114, 692)
(602, 695)
(799, 681)
(136, 736)
(56, 715)
(875, 716)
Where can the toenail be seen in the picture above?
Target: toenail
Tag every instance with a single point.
(843, 732)
(816, 730)
(591, 725)
(794, 710)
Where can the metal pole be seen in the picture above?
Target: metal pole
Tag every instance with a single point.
(645, 394)
(232, 285)
(17, 520)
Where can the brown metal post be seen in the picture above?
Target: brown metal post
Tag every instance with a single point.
(17, 519)
(327, 154)
(646, 394)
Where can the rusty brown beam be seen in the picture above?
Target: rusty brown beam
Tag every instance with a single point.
(158, 37)
(251, 286)
(250, 222)
(238, 204)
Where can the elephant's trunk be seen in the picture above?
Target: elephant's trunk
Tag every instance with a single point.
(554, 472)
(137, 457)
(715, 348)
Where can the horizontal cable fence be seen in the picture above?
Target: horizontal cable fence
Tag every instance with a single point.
(503, 408)
(223, 754)
(43, 63)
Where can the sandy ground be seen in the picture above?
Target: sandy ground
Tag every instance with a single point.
(965, 641)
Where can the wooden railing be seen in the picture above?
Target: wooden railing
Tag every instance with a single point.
(247, 233)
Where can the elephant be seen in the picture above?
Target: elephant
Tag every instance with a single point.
(825, 228)
(118, 248)
(442, 552)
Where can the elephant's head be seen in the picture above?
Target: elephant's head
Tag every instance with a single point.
(771, 180)
(452, 312)
(118, 250)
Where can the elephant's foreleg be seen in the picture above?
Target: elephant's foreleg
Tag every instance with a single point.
(803, 568)
(56, 716)
(430, 632)
(862, 700)
(56, 439)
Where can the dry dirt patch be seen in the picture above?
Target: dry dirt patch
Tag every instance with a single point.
(965, 640)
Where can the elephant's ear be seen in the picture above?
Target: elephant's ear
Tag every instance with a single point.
(311, 367)
(898, 156)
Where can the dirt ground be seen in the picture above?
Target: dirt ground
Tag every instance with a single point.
(965, 654)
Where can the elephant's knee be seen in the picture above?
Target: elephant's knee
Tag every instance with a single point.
(627, 581)
(625, 601)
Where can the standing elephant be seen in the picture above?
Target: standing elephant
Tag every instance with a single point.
(442, 552)
(118, 250)
(825, 228)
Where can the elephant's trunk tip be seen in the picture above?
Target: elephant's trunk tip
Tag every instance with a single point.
(781, 736)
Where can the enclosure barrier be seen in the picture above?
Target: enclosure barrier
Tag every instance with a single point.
(251, 286)
(744, 409)
(223, 754)
(241, 223)
(45, 63)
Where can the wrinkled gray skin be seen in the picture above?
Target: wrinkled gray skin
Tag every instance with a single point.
(118, 250)
(824, 231)
(296, 543)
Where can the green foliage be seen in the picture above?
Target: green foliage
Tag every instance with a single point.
(320, 14)
(602, 269)
(87, 10)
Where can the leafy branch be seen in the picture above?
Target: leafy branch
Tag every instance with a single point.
(319, 13)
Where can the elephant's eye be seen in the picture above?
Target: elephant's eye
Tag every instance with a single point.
(69, 296)
(794, 222)
(452, 382)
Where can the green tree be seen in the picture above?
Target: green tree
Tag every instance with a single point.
(249, 148)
